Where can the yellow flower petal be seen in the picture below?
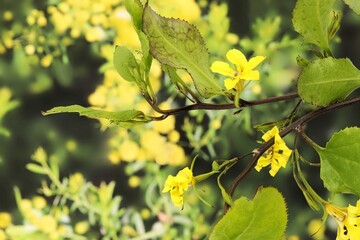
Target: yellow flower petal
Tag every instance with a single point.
(274, 169)
(263, 162)
(230, 83)
(250, 75)
(185, 175)
(236, 57)
(254, 62)
(222, 68)
(270, 134)
(169, 183)
(177, 200)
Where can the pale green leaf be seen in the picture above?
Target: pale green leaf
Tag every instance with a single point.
(127, 118)
(340, 162)
(354, 5)
(135, 9)
(125, 63)
(145, 48)
(311, 18)
(177, 43)
(264, 217)
(327, 80)
(36, 168)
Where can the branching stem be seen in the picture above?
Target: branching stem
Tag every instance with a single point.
(298, 123)
(211, 106)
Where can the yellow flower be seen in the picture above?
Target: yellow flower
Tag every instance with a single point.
(82, 227)
(178, 185)
(76, 181)
(5, 219)
(129, 150)
(244, 69)
(277, 155)
(348, 220)
(39, 202)
(2, 235)
(170, 153)
(46, 60)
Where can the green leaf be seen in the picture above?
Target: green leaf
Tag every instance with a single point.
(145, 48)
(354, 5)
(340, 162)
(262, 218)
(127, 118)
(177, 43)
(36, 168)
(135, 9)
(126, 64)
(328, 80)
(311, 18)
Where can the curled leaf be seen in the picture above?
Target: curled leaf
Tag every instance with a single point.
(127, 118)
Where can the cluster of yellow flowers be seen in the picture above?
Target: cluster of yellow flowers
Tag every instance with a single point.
(88, 18)
(348, 220)
(32, 211)
(125, 148)
(7, 35)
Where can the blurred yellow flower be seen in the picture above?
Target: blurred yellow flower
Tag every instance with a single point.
(29, 49)
(150, 141)
(114, 157)
(184, 9)
(348, 220)
(178, 185)
(71, 145)
(76, 181)
(82, 227)
(2, 235)
(8, 15)
(244, 69)
(164, 126)
(39, 202)
(316, 229)
(128, 150)
(277, 155)
(47, 224)
(145, 213)
(95, 34)
(5, 219)
(98, 98)
(174, 136)
(171, 154)
(134, 181)
(46, 60)
(25, 205)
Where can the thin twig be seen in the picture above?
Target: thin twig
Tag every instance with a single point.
(212, 106)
